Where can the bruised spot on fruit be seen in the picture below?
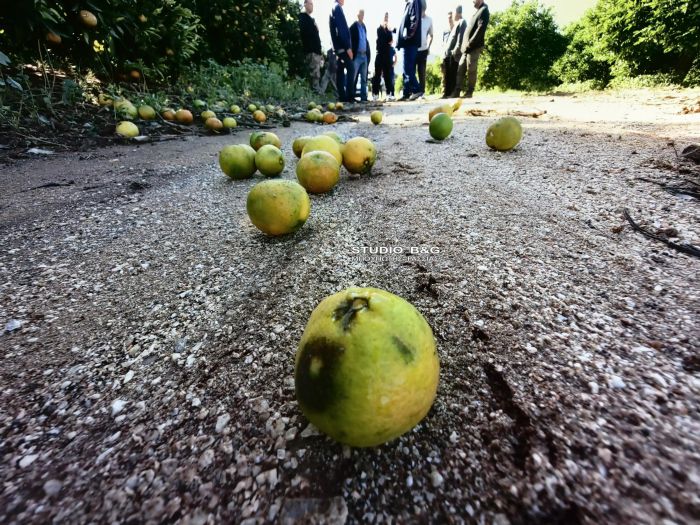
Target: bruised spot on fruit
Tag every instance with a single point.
(346, 312)
(408, 354)
(315, 377)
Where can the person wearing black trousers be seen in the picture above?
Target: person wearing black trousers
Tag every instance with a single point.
(342, 45)
(383, 65)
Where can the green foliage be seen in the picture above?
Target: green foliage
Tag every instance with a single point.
(586, 59)
(245, 80)
(522, 43)
(433, 78)
(622, 39)
(156, 37)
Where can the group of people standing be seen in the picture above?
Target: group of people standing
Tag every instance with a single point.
(350, 56)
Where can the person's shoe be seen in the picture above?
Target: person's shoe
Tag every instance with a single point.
(415, 96)
(469, 94)
(454, 94)
(391, 98)
(404, 98)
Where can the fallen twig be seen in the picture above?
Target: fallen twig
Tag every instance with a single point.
(688, 249)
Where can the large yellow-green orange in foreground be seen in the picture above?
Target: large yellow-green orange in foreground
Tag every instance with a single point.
(318, 171)
(278, 206)
(441, 126)
(258, 139)
(359, 155)
(323, 143)
(269, 160)
(376, 117)
(238, 161)
(367, 369)
(504, 134)
(127, 129)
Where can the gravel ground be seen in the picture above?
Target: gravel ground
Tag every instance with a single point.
(149, 331)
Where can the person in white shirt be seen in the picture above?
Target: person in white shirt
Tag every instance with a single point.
(423, 50)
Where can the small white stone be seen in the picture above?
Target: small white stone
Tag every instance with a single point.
(409, 481)
(28, 460)
(52, 487)
(196, 402)
(616, 382)
(436, 478)
(453, 437)
(128, 377)
(593, 387)
(117, 406)
(221, 422)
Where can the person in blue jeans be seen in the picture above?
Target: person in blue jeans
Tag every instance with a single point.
(342, 45)
(360, 48)
(409, 41)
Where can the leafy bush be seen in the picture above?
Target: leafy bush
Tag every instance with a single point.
(622, 39)
(246, 79)
(433, 78)
(155, 37)
(522, 43)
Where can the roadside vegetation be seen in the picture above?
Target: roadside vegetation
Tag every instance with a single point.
(58, 56)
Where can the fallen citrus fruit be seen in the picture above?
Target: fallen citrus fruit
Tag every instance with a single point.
(318, 171)
(167, 114)
(440, 126)
(278, 207)
(184, 116)
(260, 138)
(330, 117)
(104, 100)
(204, 115)
(147, 112)
(259, 116)
(269, 160)
(376, 117)
(214, 124)
(238, 162)
(504, 134)
(359, 155)
(235, 109)
(323, 143)
(252, 108)
(230, 122)
(298, 145)
(366, 370)
(127, 129)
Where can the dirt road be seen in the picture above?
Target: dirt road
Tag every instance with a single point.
(148, 330)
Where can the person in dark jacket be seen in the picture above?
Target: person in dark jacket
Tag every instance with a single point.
(409, 40)
(450, 61)
(361, 52)
(342, 45)
(311, 44)
(472, 46)
(383, 65)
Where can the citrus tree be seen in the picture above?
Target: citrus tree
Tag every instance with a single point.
(627, 38)
(522, 43)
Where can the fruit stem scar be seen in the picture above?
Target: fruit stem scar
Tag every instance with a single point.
(348, 309)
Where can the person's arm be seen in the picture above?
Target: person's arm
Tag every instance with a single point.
(430, 35)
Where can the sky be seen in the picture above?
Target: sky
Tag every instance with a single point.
(565, 11)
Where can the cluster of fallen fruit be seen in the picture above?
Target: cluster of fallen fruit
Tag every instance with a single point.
(367, 366)
(367, 369)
